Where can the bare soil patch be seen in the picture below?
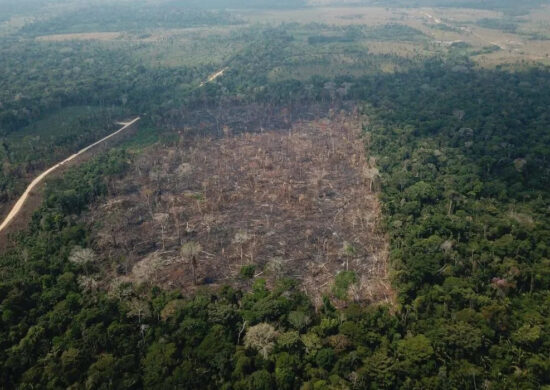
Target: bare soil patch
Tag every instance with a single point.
(297, 203)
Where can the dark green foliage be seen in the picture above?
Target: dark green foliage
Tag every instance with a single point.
(388, 32)
(342, 281)
(394, 32)
(498, 24)
(325, 358)
(247, 271)
(114, 17)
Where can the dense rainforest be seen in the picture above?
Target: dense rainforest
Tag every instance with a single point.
(463, 157)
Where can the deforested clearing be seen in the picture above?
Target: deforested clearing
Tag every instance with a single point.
(298, 203)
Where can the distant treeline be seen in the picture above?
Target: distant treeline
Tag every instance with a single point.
(387, 32)
(116, 17)
(271, 4)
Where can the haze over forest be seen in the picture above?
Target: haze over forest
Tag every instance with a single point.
(261, 194)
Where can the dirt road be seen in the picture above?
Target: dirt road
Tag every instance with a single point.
(213, 77)
(21, 201)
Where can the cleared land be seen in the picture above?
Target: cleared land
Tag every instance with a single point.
(297, 203)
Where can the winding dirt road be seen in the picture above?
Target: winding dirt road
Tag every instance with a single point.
(21, 201)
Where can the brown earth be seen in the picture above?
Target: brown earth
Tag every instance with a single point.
(294, 203)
